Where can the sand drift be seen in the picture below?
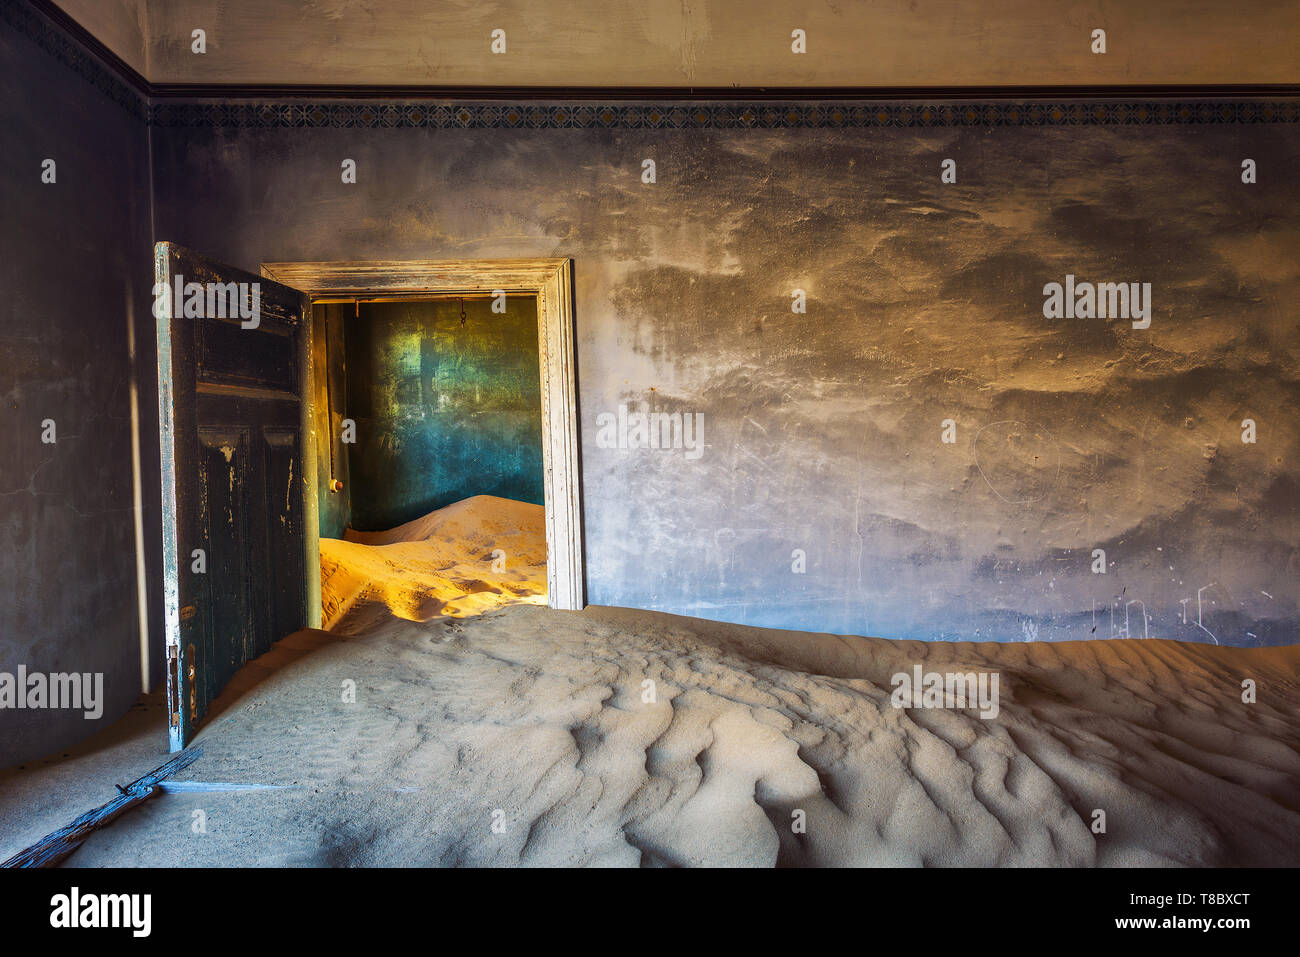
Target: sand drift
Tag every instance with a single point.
(467, 558)
(433, 727)
(530, 736)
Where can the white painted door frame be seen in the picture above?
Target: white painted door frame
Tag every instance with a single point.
(551, 281)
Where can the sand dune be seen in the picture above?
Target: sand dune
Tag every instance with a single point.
(540, 721)
(489, 735)
(440, 565)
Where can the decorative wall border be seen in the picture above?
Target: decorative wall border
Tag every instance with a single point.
(381, 114)
(89, 59)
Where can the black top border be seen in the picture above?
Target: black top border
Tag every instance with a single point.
(712, 116)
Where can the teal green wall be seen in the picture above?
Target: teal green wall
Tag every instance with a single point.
(443, 411)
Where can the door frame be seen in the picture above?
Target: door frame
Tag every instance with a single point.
(551, 282)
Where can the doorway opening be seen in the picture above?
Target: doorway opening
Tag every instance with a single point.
(428, 422)
(238, 440)
(443, 424)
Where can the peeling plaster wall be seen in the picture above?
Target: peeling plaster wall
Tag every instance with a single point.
(822, 431)
(75, 268)
(442, 411)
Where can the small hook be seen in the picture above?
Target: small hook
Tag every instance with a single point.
(462, 312)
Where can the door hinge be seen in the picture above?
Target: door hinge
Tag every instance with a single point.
(173, 685)
(194, 697)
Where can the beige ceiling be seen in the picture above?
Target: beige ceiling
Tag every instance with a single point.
(119, 25)
(715, 43)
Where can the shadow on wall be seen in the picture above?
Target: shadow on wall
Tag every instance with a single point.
(76, 271)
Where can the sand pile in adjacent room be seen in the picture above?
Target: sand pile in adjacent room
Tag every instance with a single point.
(619, 737)
(464, 559)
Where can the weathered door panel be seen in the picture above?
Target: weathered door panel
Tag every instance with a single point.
(223, 525)
(285, 475)
(232, 418)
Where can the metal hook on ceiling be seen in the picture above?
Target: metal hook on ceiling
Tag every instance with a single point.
(462, 312)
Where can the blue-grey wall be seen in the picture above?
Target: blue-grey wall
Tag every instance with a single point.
(443, 411)
(75, 270)
(823, 430)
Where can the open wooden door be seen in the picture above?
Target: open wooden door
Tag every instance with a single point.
(231, 382)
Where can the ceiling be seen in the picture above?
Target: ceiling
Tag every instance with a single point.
(702, 43)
